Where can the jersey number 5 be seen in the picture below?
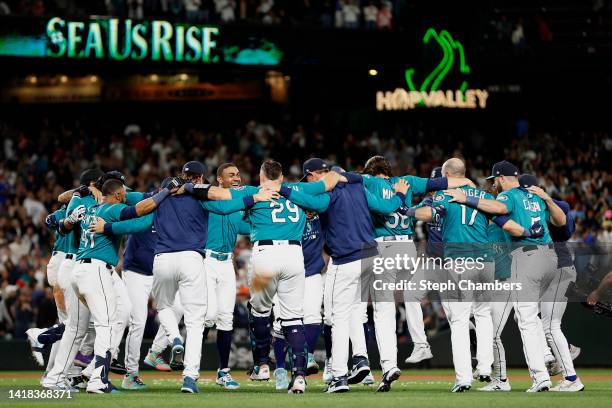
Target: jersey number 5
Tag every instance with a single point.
(293, 209)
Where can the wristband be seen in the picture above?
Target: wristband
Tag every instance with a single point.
(248, 201)
(285, 191)
(188, 187)
(108, 228)
(411, 212)
(472, 202)
(159, 197)
(402, 196)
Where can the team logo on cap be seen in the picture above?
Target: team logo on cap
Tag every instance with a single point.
(502, 198)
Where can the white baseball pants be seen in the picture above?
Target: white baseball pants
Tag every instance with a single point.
(139, 290)
(221, 286)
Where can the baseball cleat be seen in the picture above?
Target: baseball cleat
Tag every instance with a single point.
(361, 368)
(61, 386)
(540, 386)
(461, 388)
(312, 367)
(190, 386)
(260, 373)
(388, 378)
(224, 379)
(338, 385)
(327, 375)
(117, 367)
(132, 382)
(484, 378)
(109, 389)
(82, 360)
(36, 347)
(419, 354)
(79, 382)
(298, 385)
(574, 351)
(554, 368)
(281, 379)
(568, 386)
(368, 380)
(157, 361)
(177, 353)
(496, 385)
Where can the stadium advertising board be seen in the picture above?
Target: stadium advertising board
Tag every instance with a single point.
(428, 94)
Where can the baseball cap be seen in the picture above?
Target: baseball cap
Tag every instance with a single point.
(338, 169)
(89, 176)
(436, 172)
(195, 167)
(314, 164)
(503, 168)
(116, 175)
(528, 180)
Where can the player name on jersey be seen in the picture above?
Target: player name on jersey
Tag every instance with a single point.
(402, 99)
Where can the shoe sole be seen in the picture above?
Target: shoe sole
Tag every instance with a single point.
(186, 390)
(230, 387)
(408, 361)
(120, 371)
(177, 355)
(359, 376)
(385, 385)
(339, 390)
(156, 366)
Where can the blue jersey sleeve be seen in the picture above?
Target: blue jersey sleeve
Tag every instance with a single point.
(224, 207)
(418, 185)
(133, 197)
(132, 226)
(384, 206)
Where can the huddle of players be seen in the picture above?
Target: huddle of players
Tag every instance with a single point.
(357, 215)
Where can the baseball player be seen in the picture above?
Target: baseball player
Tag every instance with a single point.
(533, 261)
(554, 302)
(314, 169)
(278, 268)
(92, 277)
(345, 215)
(393, 233)
(181, 224)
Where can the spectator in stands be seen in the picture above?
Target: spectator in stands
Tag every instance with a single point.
(4, 11)
(518, 37)
(264, 11)
(350, 14)
(384, 20)
(226, 9)
(370, 15)
(192, 10)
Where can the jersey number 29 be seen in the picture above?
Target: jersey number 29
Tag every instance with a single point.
(279, 207)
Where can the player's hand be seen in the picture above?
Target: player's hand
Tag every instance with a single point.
(593, 298)
(77, 214)
(457, 196)
(539, 192)
(271, 186)
(175, 184)
(401, 186)
(266, 195)
(82, 191)
(536, 230)
(97, 225)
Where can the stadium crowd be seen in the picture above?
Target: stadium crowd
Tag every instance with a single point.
(35, 166)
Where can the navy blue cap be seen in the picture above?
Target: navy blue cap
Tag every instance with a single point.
(116, 175)
(194, 167)
(338, 169)
(89, 176)
(503, 168)
(314, 164)
(528, 180)
(436, 172)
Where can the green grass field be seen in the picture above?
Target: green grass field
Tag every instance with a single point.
(416, 388)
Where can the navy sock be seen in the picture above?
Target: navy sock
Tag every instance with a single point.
(280, 351)
(224, 345)
(327, 337)
(312, 336)
(52, 334)
(571, 378)
(260, 339)
(296, 339)
(366, 333)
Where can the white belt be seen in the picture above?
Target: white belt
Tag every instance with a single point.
(395, 238)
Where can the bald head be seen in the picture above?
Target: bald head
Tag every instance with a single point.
(453, 168)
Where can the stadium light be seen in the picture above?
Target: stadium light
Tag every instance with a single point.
(373, 72)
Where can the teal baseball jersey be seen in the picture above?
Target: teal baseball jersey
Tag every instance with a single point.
(280, 219)
(526, 209)
(501, 247)
(464, 228)
(62, 242)
(224, 229)
(100, 246)
(393, 223)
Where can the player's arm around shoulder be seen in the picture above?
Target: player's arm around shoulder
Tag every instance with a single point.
(556, 214)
